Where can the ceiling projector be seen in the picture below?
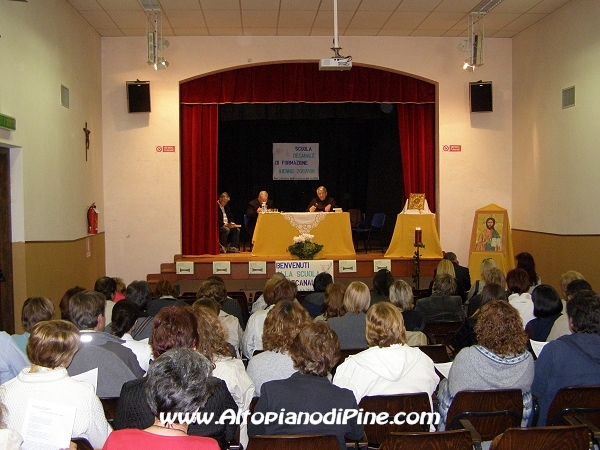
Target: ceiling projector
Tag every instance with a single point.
(335, 64)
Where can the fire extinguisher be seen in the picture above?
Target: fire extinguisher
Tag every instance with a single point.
(92, 218)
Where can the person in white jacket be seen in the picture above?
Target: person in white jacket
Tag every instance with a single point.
(388, 366)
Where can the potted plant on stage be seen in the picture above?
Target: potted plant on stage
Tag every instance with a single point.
(304, 247)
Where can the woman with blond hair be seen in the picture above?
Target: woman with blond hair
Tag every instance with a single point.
(282, 325)
(350, 328)
(50, 349)
(388, 366)
(401, 295)
(500, 360)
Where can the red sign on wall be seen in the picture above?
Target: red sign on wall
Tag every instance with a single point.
(451, 148)
(168, 148)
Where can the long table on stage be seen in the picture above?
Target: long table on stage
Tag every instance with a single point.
(402, 243)
(274, 233)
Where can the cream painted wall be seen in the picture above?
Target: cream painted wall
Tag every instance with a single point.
(142, 198)
(45, 44)
(557, 151)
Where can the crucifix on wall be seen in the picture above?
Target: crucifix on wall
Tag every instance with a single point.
(87, 140)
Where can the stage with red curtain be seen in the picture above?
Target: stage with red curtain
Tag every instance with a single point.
(292, 83)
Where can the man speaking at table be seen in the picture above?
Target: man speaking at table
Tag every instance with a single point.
(254, 209)
(322, 203)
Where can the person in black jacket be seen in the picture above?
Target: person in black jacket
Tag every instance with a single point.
(255, 208)
(463, 277)
(229, 232)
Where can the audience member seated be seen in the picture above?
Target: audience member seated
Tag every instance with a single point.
(252, 338)
(12, 359)
(489, 276)
(322, 202)
(443, 304)
(477, 287)
(255, 208)
(121, 289)
(333, 303)
(164, 295)
(382, 280)
(174, 328)
(107, 286)
(212, 304)
(518, 284)
(215, 289)
(140, 293)
(561, 325)
(465, 336)
(388, 366)
(50, 349)
(124, 315)
(64, 302)
(445, 266)
(314, 302)
(565, 279)
(573, 359)
(213, 345)
(401, 295)
(499, 361)
(350, 328)
(282, 325)
(230, 305)
(35, 310)
(260, 303)
(176, 383)
(11, 439)
(116, 364)
(547, 307)
(525, 261)
(315, 351)
(462, 275)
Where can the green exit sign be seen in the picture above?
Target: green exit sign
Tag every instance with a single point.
(10, 123)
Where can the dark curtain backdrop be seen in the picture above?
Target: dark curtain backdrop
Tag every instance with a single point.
(302, 82)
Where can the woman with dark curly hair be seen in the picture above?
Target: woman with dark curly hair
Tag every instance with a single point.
(499, 361)
(282, 325)
(315, 350)
(526, 262)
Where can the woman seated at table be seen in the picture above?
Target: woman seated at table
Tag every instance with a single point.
(322, 202)
(388, 366)
(177, 382)
(282, 325)
(350, 328)
(315, 351)
(499, 361)
(50, 349)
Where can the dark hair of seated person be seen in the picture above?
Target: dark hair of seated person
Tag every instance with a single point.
(174, 327)
(546, 301)
(584, 311)
(124, 315)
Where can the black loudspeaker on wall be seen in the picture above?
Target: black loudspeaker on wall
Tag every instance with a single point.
(480, 95)
(138, 96)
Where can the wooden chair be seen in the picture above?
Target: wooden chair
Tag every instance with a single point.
(486, 414)
(188, 297)
(543, 438)
(441, 440)
(293, 442)
(441, 332)
(110, 407)
(437, 352)
(583, 401)
(392, 404)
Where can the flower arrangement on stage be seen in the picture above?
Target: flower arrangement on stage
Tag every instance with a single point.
(304, 247)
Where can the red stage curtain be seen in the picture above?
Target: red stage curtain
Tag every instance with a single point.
(292, 82)
(416, 125)
(199, 143)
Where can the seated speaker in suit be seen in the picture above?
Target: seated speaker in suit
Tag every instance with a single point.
(442, 305)
(255, 208)
(229, 232)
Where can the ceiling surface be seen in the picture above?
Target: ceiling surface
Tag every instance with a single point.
(448, 18)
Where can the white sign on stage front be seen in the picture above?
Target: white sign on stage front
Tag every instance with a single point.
(303, 271)
(295, 161)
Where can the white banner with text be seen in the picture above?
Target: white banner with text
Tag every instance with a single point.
(295, 161)
(304, 271)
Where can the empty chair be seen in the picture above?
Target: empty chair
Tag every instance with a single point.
(437, 352)
(243, 302)
(376, 228)
(584, 401)
(392, 404)
(543, 438)
(441, 332)
(441, 440)
(293, 442)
